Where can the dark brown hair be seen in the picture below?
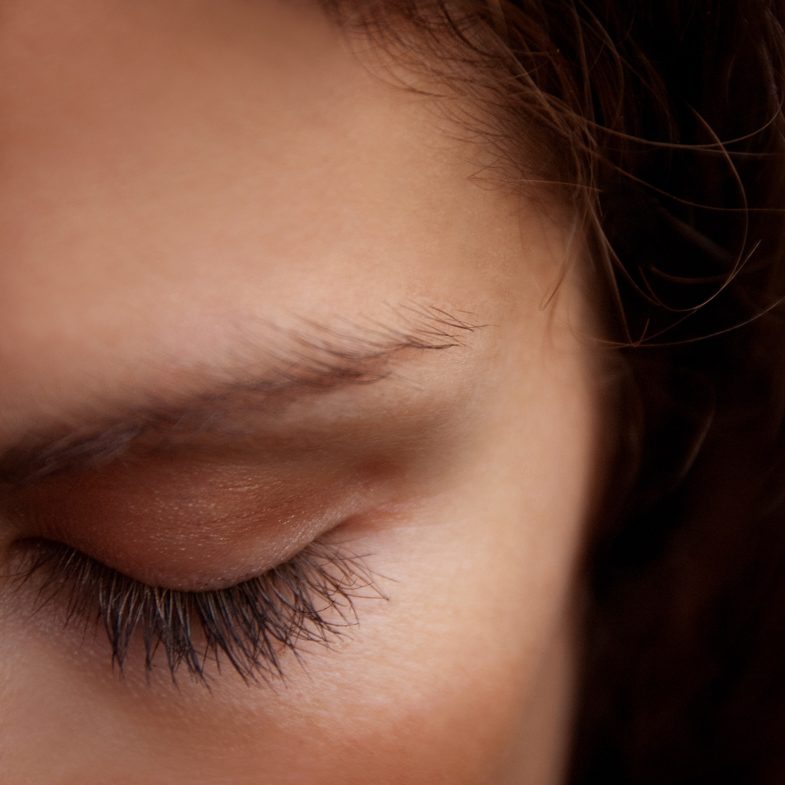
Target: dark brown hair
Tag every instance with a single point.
(660, 124)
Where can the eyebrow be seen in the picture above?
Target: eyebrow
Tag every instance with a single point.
(313, 359)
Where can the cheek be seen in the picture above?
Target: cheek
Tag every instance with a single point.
(456, 723)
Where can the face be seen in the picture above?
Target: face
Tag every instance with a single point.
(258, 311)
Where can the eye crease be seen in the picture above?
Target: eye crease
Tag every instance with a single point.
(194, 524)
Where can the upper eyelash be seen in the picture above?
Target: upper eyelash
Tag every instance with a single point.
(308, 598)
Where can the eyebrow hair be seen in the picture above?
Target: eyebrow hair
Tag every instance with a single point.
(314, 359)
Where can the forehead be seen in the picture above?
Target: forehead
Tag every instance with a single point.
(177, 173)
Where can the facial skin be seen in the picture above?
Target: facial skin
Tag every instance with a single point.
(216, 219)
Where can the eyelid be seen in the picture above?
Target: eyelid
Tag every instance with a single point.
(192, 526)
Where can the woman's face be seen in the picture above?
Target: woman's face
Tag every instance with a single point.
(255, 295)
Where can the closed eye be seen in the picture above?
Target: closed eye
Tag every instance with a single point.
(249, 626)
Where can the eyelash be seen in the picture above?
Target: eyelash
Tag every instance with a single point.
(309, 598)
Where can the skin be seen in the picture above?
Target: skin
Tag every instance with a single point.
(187, 186)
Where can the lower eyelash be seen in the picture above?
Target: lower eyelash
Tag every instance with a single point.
(309, 598)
